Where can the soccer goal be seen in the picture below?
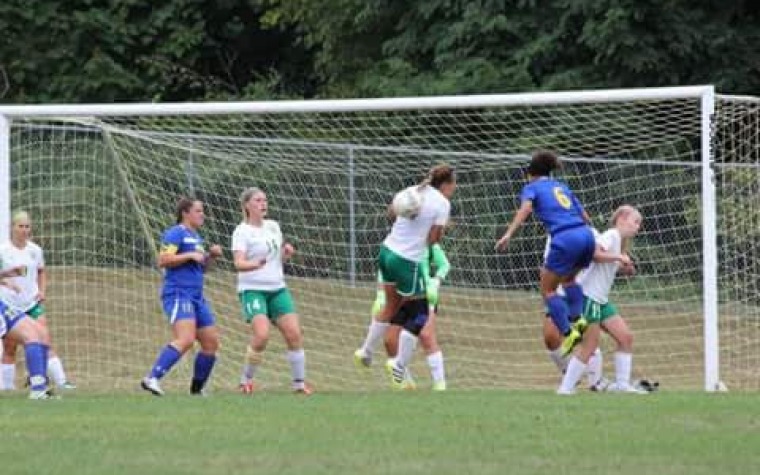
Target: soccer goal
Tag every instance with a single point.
(100, 183)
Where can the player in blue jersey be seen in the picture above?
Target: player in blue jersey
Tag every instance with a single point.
(572, 243)
(185, 260)
(16, 324)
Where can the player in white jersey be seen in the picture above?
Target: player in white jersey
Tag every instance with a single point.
(259, 253)
(400, 274)
(600, 313)
(28, 298)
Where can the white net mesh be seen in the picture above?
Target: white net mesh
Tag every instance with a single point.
(737, 157)
(101, 190)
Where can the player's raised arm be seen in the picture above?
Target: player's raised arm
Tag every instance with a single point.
(526, 208)
(422, 212)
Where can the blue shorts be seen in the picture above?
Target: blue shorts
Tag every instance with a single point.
(183, 305)
(9, 318)
(571, 250)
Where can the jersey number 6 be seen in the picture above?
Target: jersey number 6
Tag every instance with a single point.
(562, 198)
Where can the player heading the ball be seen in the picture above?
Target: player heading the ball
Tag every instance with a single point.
(399, 268)
(572, 243)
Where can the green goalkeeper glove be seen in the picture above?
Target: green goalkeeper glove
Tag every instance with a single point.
(432, 291)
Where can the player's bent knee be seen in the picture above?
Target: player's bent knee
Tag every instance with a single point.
(418, 311)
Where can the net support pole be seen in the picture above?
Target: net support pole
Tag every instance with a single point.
(709, 246)
(351, 219)
(5, 178)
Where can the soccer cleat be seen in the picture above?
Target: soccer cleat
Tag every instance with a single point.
(68, 386)
(439, 386)
(42, 394)
(409, 382)
(570, 341)
(625, 389)
(304, 389)
(580, 325)
(151, 385)
(196, 387)
(600, 386)
(246, 388)
(563, 392)
(395, 374)
(362, 360)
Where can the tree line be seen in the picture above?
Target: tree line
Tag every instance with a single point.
(138, 50)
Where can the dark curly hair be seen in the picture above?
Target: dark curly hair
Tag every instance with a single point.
(543, 162)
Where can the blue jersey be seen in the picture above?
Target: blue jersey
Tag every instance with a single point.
(554, 204)
(188, 276)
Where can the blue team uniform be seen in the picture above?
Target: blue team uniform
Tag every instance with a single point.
(8, 318)
(182, 291)
(572, 246)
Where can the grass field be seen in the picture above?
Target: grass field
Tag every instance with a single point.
(108, 325)
(479, 432)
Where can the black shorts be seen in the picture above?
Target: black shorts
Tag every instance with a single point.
(401, 317)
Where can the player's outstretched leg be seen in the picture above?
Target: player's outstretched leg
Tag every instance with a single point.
(184, 336)
(378, 327)
(416, 312)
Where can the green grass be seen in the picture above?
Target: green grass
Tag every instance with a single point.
(479, 432)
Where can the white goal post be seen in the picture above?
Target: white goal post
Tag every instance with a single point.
(87, 172)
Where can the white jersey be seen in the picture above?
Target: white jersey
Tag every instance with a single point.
(409, 237)
(598, 278)
(31, 258)
(264, 242)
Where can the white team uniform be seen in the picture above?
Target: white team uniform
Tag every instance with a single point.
(409, 237)
(263, 242)
(32, 259)
(597, 279)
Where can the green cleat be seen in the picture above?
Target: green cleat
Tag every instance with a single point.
(439, 386)
(409, 382)
(395, 374)
(361, 360)
(580, 324)
(570, 341)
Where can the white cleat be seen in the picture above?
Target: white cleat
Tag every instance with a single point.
(625, 389)
(41, 395)
(563, 392)
(600, 386)
(151, 385)
(439, 386)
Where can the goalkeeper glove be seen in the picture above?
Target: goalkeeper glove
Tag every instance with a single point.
(432, 291)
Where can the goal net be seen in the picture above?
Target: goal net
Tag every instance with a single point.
(101, 185)
(737, 172)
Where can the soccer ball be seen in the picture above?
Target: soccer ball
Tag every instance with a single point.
(408, 202)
